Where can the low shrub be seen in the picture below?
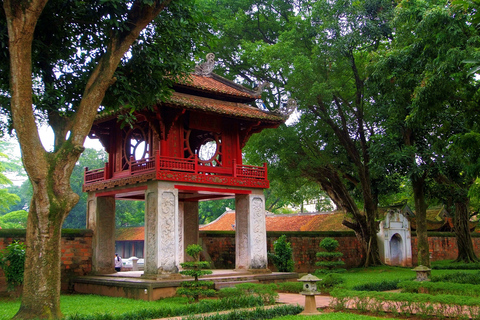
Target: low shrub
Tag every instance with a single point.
(458, 277)
(282, 258)
(329, 282)
(451, 265)
(258, 313)
(290, 287)
(406, 304)
(384, 285)
(436, 288)
(266, 292)
(12, 261)
(163, 311)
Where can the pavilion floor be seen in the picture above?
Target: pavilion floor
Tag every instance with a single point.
(132, 284)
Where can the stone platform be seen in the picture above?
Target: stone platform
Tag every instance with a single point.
(132, 284)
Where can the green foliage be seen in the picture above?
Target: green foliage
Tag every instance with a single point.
(12, 261)
(330, 281)
(384, 285)
(405, 304)
(196, 288)
(93, 307)
(258, 313)
(450, 265)
(436, 288)
(293, 287)
(329, 244)
(458, 277)
(282, 258)
(266, 292)
(331, 259)
(14, 220)
(208, 211)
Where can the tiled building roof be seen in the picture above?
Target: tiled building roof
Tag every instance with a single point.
(274, 222)
(285, 222)
(217, 84)
(232, 109)
(130, 234)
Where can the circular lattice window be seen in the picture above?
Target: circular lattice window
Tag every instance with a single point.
(135, 144)
(206, 145)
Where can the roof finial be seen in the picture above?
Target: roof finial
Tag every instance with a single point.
(206, 68)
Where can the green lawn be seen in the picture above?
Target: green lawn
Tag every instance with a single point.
(91, 304)
(359, 276)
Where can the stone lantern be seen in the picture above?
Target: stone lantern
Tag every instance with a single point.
(422, 273)
(310, 291)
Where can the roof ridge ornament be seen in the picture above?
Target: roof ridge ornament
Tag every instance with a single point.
(287, 108)
(206, 68)
(262, 87)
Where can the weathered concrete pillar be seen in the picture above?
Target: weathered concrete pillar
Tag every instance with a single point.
(190, 227)
(161, 229)
(250, 232)
(101, 219)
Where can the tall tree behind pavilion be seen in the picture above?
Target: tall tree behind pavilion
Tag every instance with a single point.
(61, 58)
(425, 99)
(316, 52)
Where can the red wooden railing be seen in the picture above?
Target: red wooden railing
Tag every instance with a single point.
(193, 166)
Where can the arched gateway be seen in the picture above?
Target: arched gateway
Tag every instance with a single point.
(179, 152)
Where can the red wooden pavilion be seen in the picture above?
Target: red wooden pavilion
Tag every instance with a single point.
(179, 152)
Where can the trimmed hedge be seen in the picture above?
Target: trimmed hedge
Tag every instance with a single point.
(203, 306)
(384, 285)
(258, 313)
(406, 304)
(436, 288)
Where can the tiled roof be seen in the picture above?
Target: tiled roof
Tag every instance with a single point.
(130, 234)
(217, 87)
(233, 109)
(285, 222)
(218, 84)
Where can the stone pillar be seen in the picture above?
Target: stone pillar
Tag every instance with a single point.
(190, 227)
(161, 230)
(101, 219)
(250, 232)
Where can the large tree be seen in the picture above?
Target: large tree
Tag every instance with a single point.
(425, 98)
(61, 58)
(316, 52)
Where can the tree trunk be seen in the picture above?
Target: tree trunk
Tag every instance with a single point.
(418, 185)
(462, 232)
(365, 228)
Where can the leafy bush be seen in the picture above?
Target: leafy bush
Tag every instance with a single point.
(282, 258)
(451, 265)
(166, 311)
(292, 287)
(196, 288)
(258, 313)
(405, 304)
(331, 259)
(436, 288)
(264, 291)
(12, 261)
(384, 285)
(329, 282)
(458, 277)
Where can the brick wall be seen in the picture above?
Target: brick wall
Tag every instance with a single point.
(443, 246)
(76, 249)
(219, 247)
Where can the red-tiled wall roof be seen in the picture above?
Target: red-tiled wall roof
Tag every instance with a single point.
(130, 234)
